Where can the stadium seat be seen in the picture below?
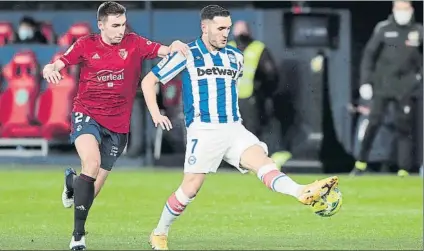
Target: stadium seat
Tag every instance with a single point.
(55, 105)
(9, 70)
(7, 35)
(48, 32)
(6, 98)
(18, 100)
(75, 31)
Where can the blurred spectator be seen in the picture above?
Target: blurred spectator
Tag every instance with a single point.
(29, 32)
(391, 68)
(258, 85)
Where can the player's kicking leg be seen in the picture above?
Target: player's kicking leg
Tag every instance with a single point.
(251, 154)
(256, 159)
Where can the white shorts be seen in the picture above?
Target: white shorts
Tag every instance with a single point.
(208, 145)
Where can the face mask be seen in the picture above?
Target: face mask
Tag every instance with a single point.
(402, 17)
(243, 39)
(25, 33)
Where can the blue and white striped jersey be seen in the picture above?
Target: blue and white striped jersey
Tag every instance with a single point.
(209, 82)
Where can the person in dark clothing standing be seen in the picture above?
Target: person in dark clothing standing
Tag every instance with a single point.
(258, 85)
(29, 32)
(391, 71)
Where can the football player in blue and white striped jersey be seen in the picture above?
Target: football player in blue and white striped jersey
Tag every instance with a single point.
(214, 127)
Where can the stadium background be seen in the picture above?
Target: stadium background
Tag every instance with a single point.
(35, 121)
(232, 211)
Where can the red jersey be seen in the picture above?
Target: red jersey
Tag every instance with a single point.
(110, 75)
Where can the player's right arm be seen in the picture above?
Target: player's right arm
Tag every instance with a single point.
(51, 72)
(72, 56)
(163, 72)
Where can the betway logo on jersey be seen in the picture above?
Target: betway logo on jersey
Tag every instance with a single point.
(108, 75)
(216, 71)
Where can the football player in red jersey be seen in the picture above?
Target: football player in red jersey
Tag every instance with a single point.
(111, 65)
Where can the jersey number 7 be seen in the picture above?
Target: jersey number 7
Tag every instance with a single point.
(194, 144)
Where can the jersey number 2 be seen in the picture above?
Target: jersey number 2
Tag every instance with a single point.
(79, 116)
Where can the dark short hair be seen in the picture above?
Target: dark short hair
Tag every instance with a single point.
(211, 11)
(110, 8)
(28, 20)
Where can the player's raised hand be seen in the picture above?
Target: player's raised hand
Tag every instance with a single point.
(51, 75)
(178, 46)
(163, 121)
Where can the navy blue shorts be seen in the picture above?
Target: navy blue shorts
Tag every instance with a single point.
(111, 144)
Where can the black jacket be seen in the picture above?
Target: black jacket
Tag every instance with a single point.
(392, 58)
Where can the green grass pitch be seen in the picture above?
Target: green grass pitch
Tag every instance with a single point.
(232, 212)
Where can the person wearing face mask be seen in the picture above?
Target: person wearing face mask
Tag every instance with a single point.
(391, 71)
(28, 32)
(258, 85)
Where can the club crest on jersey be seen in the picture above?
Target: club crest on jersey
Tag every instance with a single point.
(123, 53)
(192, 160)
(232, 58)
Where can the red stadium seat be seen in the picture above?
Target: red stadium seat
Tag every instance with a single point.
(9, 72)
(48, 32)
(75, 31)
(55, 105)
(6, 98)
(7, 36)
(18, 101)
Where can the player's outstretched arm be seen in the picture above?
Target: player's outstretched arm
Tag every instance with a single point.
(165, 70)
(148, 85)
(51, 72)
(176, 46)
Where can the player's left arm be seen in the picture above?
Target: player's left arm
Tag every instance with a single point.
(164, 71)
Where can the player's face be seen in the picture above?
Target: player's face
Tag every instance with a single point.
(217, 31)
(113, 28)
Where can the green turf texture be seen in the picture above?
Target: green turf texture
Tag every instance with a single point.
(232, 211)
